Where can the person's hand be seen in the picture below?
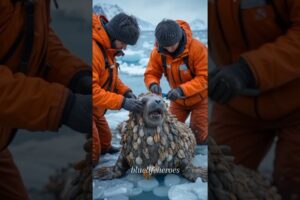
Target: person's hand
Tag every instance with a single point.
(229, 81)
(175, 94)
(83, 85)
(155, 88)
(78, 113)
(132, 105)
(130, 95)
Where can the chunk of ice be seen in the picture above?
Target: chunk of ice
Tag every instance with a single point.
(134, 177)
(171, 179)
(110, 188)
(148, 185)
(135, 191)
(191, 191)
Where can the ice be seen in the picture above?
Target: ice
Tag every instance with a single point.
(171, 179)
(148, 45)
(135, 191)
(115, 118)
(148, 185)
(134, 177)
(117, 197)
(108, 160)
(191, 191)
(161, 191)
(144, 62)
(109, 188)
(133, 70)
(200, 160)
(132, 56)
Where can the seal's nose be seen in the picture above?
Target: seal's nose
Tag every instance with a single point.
(158, 101)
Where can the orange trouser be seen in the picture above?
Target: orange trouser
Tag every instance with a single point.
(11, 184)
(250, 140)
(199, 115)
(101, 137)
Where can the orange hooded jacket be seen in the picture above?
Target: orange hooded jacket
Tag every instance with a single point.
(268, 37)
(177, 73)
(34, 100)
(107, 94)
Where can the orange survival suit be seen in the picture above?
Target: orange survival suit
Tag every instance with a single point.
(108, 89)
(188, 71)
(33, 86)
(267, 35)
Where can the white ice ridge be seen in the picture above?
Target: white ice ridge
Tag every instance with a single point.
(190, 191)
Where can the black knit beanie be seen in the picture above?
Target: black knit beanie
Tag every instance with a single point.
(168, 33)
(124, 28)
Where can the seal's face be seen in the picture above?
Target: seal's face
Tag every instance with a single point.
(154, 110)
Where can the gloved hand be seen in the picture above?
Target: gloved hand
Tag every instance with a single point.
(132, 105)
(130, 95)
(229, 81)
(77, 113)
(82, 84)
(174, 94)
(155, 88)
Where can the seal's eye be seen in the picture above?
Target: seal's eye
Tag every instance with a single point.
(144, 101)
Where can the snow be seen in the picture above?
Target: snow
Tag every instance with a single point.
(115, 118)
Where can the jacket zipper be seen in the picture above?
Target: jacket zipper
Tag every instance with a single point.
(180, 80)
(242, 28)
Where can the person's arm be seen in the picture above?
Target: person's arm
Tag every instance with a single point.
(64, 67)
(101, 97)
(30, 103)
(154, 69)
(276, 63)
(199, 82)
(122, 88)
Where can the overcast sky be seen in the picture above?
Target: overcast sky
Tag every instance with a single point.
(155, 10)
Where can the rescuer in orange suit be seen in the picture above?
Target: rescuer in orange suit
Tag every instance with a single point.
(109, 92)
(43, 86)
(256, 46)
(183, 60)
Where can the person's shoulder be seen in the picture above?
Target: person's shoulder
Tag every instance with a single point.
(197, 46)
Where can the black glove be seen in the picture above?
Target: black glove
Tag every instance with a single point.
(229, 81)
(132, 105)
(82, 83)
(174, 94)
(78, 113)
(130, 95)
(155, 88)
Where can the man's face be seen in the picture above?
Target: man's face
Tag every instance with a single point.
(120, 45)
(172, 48)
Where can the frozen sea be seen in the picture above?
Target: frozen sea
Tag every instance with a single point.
(134, 186)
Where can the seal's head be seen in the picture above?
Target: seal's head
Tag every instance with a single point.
(154, 110)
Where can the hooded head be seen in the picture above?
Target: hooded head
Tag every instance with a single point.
(124, 28)
(168, 33)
